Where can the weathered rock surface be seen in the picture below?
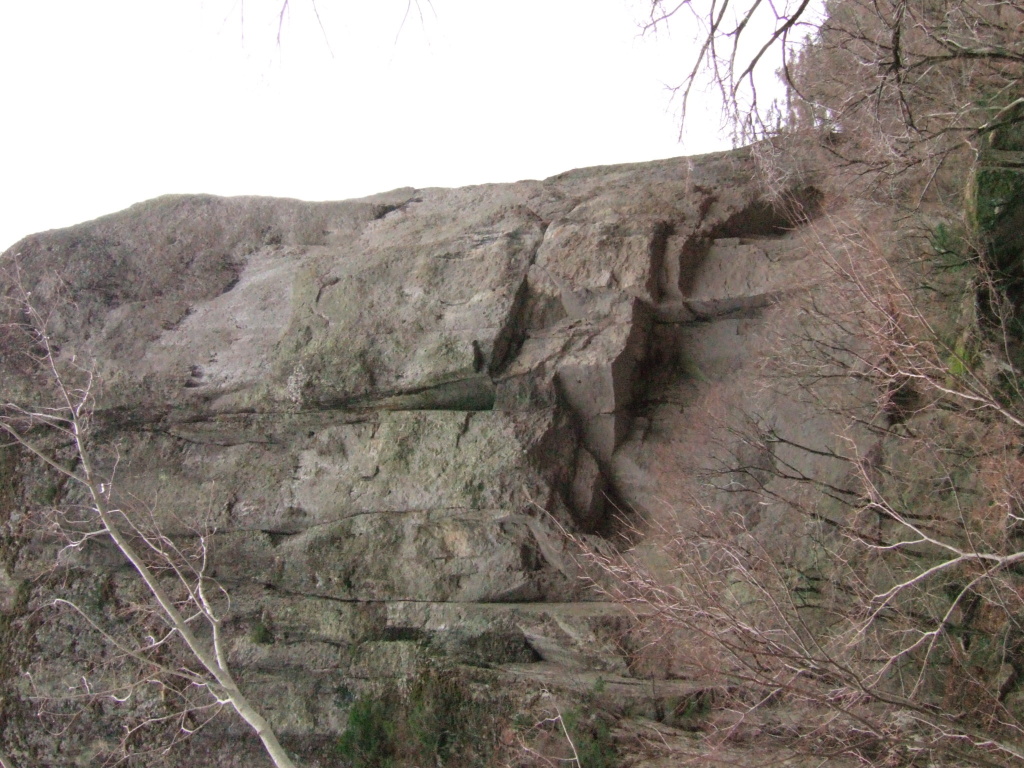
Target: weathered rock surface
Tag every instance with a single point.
(387, 410)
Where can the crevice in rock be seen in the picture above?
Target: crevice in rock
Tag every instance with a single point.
(463, 429)
(466, 393)
(399, 634)
(382, 211)
(276, 537)
(669, 285)
(470, 393)
(600, 395)
(233, 281)
(509, 340)
(324, 285)
(661, 271)
(771, 219)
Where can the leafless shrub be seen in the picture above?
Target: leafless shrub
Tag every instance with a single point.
(866, 598)
(177, 606)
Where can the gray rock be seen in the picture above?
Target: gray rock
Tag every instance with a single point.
(387, 413)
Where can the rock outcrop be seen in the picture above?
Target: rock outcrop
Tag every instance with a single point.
(388, 411)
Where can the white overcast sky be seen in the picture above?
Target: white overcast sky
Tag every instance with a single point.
(109, 102)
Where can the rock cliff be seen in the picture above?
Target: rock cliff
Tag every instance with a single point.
(387, 412)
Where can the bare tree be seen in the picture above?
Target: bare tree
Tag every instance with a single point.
(889, 91)
(735, 44)
(178, 589)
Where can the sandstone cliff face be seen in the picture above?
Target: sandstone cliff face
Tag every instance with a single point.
(386, 409)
